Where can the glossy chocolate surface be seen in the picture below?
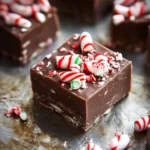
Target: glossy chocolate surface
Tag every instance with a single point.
(88, 104)
(21, 44)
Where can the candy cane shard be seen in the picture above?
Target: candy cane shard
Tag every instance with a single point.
(76, 84)
(118, 19)
(25, 11)
(142, 124)
(125, 2)
(68, 76)
(99, 57)
(92, 146)
(44, 5)
(15, 19)
(120, 142)
(86, 43)
(64, 62)
(26, 2)
(137, 9)
(40, 17)
(123, 10)
(98, 69)
(3, 10)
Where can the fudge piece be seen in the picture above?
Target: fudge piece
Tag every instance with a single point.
(81, 80)
(129, 26)
(76, 8)
(148, 139)
(22, 39)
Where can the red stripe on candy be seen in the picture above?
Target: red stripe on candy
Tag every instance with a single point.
(86, 45)
(76, 77)
(60, 62)
(68, 75)
(83, 37)
(70, 59)
(86, 68)
(17, 20)
(144, 123)
(137, 123)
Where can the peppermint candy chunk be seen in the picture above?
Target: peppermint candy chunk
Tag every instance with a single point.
(122, 10)
(68, 76)
(125, 2)
(118, 19)
(92, 146)
(98, 69)
(75, 84)
(44, 5)
(137, 9)
(40, 17)
(23, 116)
(142, 124)
(64, 62)
(118, 56)
(25, 11)
(26, 2)
(15, 19)
(75, 67)
(86, 43)
(3, 10)
(120, 142)
(99, 57)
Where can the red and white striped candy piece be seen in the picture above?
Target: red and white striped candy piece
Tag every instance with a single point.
(75, 67)
(98, 69)
(86, 43)
(26, 2)
(137, 9)
(99, 57)
(118, 19)
(142, 124)
(3, 10)
(64, 62)
(15, 19)
(92, 146)
(123, 10)
(25, 11)
(125, 2)
(7, 2)
(68, 76)
(120, 142)
(44, 5)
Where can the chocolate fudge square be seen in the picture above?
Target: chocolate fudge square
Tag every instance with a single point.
(23, 44)
(83, 10)
(131, 33)
(83, 107)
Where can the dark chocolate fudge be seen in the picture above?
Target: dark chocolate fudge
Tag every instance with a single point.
(83, 10)
(129, 27)
(81, 80)
(148, 139)
(24, 43)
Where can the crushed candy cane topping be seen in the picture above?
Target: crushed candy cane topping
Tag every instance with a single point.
(79, 69)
